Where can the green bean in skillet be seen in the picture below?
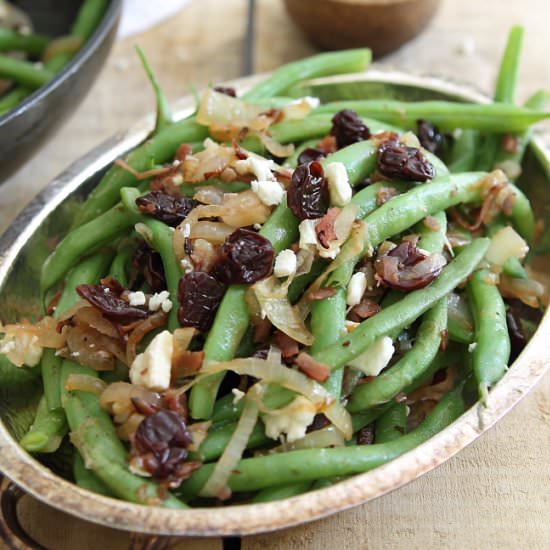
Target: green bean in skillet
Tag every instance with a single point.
(24, 72)
(85, 479)
(47, 431)
(281, 492)
(392, 424)
(33, 44)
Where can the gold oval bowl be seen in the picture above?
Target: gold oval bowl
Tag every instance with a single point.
(24, 247)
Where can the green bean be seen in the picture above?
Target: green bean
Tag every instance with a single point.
(13, 98)
(298, 285)
(281, 492)
(463, 153)
(24, 72)
(459, 331)
(164, 113)
(95, 233)
(51, 370)
(448, 115)
(523, 216)
(309, 465)
(395, 379)
(404, 312)
(505, 89)
(513, 268)
(86, 479)
(119, 266)
(218, 437)
(47, 431)
(492, 342)
(95, 437)
(327, 323)
(392, 424)
(33, 44)
(324, 64)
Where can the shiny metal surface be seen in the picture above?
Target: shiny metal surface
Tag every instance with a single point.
(25, 245)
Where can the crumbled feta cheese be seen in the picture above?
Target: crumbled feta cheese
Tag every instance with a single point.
(308, 236)
(238, 395)
(313, 102)
(157, 301)
(291, 420)
(152, 368)
(268, 191)
(136, 298)
(376, 358)
(258, 166)
(257, 226)
(472, 347)
(300, 108)
(285, 263)
(356, 288)
(338, 184)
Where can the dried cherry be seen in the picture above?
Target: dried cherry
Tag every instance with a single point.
(149, 263)
(170, 209)
(348, 128)
(199, 295)
(404, 163)
(310, 154)
(308, 194)
(245, 257)
(429, 135)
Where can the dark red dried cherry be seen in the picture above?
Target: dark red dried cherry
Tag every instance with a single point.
(227, 90)
(199, 295)
(170, 209)
(404, 163)
(429, 135)
(307, 194)
(310, 154)
(348, 128)
(245, 257)
(149, 264)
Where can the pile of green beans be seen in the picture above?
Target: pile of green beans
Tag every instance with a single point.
(429, 340)
(26, 74)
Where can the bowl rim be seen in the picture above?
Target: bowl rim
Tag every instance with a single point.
(46, 486)
(103, 29)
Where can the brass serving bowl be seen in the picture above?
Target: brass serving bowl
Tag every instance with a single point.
(24, 247)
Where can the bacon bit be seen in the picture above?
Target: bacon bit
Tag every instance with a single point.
(288, 346)
(183, 151)
(508, 204)
(431, 223)
(325, 227)
(385, 137)
(186, 363)
(148, 173)
(53, 303)
(177, 402)
(509, 143)
(364, 310)
(239, 152)
(315, 370)
(385, 194)
(328, 145)
(444, 340)
(262, 331)
(142, 328)
(321, 293)
(276, 115)
(434, 392)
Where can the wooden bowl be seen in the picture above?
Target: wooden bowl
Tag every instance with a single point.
(382, 25)
(23, 249)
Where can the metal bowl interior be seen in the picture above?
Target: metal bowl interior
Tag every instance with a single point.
(24, 128)
(26, 244)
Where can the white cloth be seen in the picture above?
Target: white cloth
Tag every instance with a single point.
(139, 15)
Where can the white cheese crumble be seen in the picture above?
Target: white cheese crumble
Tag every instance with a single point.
(152, 369)
(186, 230)
(375, 358)
(136, 298)
(356, 288)
(258, 166)
(338, 184)
(186, 266)
(291, 420)
(160, 300)
(285, 263)
(21, 349)
(269, 192)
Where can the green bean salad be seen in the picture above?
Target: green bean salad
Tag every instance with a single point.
(272, 294)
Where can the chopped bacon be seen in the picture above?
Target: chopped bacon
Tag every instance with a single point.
(288, 346)
(328, 145)
(315, 370)
(325, 227)
(509, 143)
(364, 310)
(142, 328)
(186, 363)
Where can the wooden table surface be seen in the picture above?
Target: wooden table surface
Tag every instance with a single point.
(496, 493)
